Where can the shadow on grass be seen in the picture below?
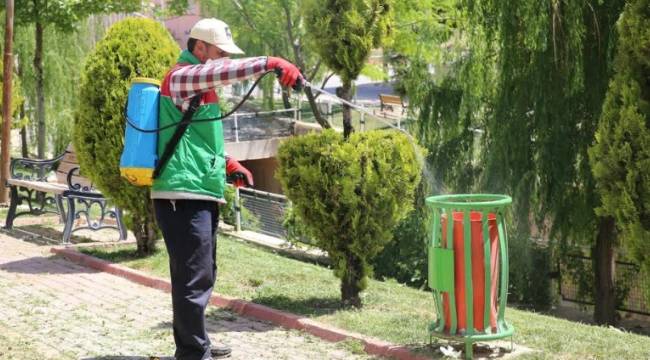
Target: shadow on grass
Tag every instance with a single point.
(313, 306)
(116, 256)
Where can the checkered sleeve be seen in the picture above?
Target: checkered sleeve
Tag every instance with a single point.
(194, 79)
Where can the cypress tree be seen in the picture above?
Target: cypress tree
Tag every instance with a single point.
(621, 153)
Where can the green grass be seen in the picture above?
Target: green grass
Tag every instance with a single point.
(391, 311)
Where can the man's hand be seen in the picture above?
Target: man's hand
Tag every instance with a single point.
(238, 174)
(288, 72)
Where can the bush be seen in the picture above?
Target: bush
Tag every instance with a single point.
(350, 195)
(131, 48)
(405, 257)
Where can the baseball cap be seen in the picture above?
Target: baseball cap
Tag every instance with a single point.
(217, 33)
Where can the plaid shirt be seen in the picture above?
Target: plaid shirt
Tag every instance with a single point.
(189, 80)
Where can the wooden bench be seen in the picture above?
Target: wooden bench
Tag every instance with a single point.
(48, 185)
(387, 102)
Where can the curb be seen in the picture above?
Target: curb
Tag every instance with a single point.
(372, 346)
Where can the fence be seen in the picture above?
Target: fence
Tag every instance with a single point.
(627, 275)
(268, 208)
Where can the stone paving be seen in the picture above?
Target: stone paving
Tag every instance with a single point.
(53, 309)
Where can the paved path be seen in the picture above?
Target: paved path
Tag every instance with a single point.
(53, 309)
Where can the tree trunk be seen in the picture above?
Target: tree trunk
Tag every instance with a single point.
(40, 96)
(604, 265)
(351, 280)
(145, 233)
(285, 98)
(300, 61)
(344, 93)
(24, 151)
(23, 139)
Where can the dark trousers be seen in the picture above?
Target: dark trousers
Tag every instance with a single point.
(189, 228)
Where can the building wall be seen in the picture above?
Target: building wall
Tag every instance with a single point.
(264, 174)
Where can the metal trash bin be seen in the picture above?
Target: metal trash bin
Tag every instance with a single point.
(470, 292)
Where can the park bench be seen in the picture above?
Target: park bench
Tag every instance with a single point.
(388, 101)
(56, 186)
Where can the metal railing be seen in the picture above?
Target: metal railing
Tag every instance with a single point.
(627, 275)
(267, 207)
(246, 126)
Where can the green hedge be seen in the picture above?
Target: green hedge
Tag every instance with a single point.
(131, 48)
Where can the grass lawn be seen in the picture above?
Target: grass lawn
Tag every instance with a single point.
(391, 311)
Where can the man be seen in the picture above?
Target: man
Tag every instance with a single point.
(189, 188)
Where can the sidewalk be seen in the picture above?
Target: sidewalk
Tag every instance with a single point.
(54, 309)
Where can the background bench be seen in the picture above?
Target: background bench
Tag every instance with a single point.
(388, 101)
(47, 186)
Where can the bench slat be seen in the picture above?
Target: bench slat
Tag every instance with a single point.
(39, 185)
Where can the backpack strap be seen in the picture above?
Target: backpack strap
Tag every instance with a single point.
(180, 130)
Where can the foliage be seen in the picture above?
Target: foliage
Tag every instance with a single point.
(61, 63)
(404, 257)
(621, 153)
(350, 195)
(346, 31)
(528, 83)
(16, 92)
(131, 48)
(343, 33)
(65, 15)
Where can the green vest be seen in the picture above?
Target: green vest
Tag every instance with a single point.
(198, 165)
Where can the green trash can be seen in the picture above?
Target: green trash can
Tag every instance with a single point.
(470, 292)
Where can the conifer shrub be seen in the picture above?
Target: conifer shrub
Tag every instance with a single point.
(131, 48)
(620, 157)
(350, 195)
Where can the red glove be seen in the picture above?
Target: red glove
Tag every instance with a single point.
(238, 174)
(288, 72)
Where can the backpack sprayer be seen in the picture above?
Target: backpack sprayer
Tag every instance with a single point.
(139, 162)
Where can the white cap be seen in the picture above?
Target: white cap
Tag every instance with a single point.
(217, 33)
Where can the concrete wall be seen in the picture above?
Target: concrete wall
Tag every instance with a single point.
(264, 174)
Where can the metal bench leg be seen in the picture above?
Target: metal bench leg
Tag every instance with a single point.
(69, 223)
(59, 205)
(120, 224)
(11, 214)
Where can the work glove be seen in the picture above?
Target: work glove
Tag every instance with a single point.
(237, 174)
(288, 74)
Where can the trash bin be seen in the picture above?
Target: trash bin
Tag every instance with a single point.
(470, 292)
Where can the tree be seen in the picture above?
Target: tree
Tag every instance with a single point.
(531, 77)
(621, 154)
(64, 15)
(131, 48)
(61, 63)
(343, 33)
(350, 194)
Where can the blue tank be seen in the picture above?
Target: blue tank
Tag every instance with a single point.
(140, 152)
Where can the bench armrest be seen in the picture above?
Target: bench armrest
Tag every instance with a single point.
(33, 169)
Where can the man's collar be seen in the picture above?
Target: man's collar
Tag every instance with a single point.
(188, 57)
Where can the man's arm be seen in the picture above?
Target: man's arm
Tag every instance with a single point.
(195, 79)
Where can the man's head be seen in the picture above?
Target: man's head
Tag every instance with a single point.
(211, 39)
